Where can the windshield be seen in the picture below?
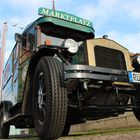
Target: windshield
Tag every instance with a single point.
(50, 40)
(55, 35)
(54, 41)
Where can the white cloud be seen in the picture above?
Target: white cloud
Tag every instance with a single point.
(103, 13)
(29, 6)
(130, 41)
(102, 9)
(24, 4)
(132, 8)
(26, 11)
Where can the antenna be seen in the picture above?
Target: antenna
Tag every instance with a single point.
(53, 6)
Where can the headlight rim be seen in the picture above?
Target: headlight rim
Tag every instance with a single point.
(71, 49)
(136, 61)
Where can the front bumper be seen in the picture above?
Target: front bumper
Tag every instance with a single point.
(95, 73)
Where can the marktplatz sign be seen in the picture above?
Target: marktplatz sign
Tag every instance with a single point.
(64, 16)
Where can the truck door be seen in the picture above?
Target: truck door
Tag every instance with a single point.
(25, 53)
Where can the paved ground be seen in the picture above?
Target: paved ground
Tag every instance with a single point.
(104, 134)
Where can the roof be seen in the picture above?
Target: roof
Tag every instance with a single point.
(64, 19)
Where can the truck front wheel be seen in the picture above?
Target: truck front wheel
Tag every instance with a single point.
(135, 99)
(136, 103)
(49, 100)
(66, 130)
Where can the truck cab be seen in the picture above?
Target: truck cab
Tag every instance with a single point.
(58, 75)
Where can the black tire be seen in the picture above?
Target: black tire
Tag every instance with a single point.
(136, 114)
(4, 128)
(66, 130)
(49, 99)
(136, 102)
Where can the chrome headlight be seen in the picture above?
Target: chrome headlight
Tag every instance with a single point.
(136, 61)
(71, 45)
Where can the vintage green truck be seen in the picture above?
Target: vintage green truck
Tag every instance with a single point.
(59, 74)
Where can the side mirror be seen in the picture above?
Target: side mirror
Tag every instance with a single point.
(18, 37)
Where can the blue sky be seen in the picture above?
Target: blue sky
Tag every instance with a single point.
(119, 19)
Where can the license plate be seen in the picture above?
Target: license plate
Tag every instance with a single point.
(134, 77)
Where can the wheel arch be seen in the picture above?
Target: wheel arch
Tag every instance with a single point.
(27, 94)
(41, 52)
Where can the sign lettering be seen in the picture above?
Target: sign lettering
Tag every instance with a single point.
(64, 16)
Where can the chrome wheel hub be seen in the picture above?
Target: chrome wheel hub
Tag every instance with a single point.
(41, 91)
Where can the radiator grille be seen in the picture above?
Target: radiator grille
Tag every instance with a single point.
(109, 58)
